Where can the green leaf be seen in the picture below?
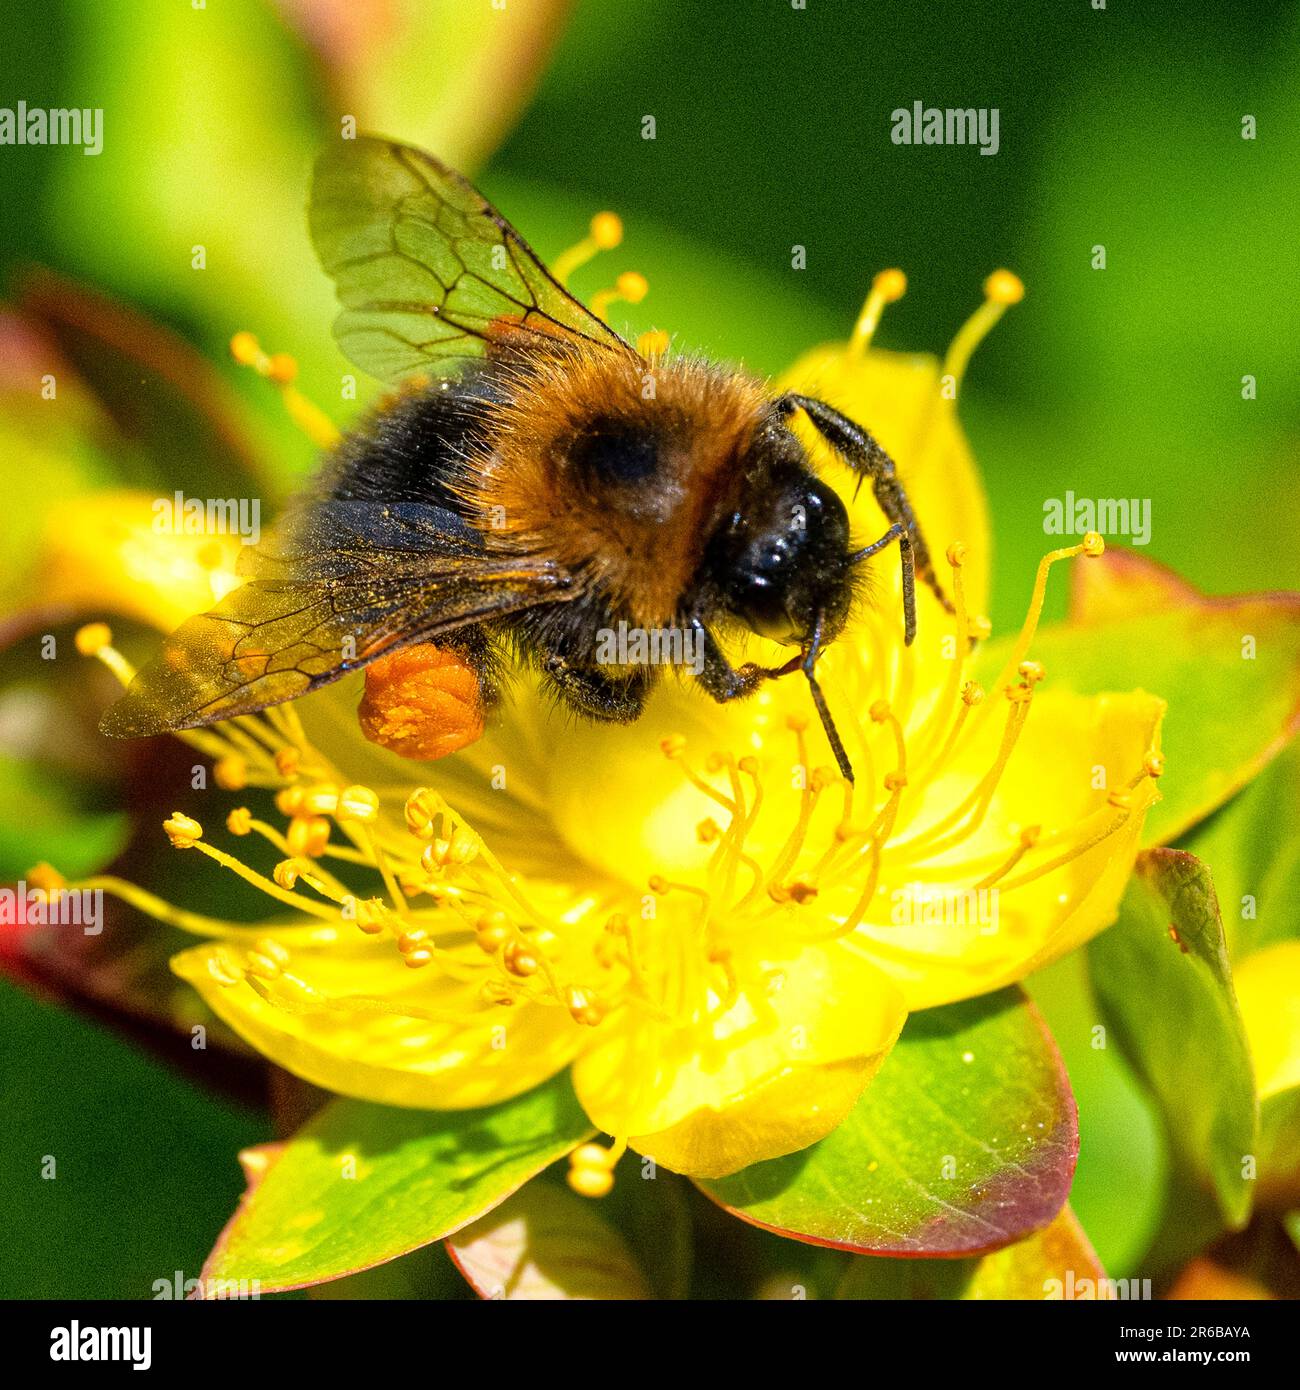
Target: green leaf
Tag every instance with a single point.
(1279, 1149)
(546, 1243)
(361, 1184)
(1056, 1262)
(1163, 981)
(1255, 856)
(964, 1142)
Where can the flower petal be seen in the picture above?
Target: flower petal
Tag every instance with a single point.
(1050, 781)
(366, 1025)
(766, 1076)
(1268, 995)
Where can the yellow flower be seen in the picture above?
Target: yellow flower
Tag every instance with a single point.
(716, 931)
(1268, 993)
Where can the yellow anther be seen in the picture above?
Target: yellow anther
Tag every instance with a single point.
(657, 884)
(281, 368)
(492, 932)
(417, 958)
(957, 554)
(46, 877)
(972, 693)
(879, 711)
(801, 892)
(823, 777)
(287, 761)
(183, 831)
(606, 230)
(286, 873)
(412, 939)
(617, 924)
(269, 946)
(245, 349)
(1019, 694)
(1032, 671)
(288, 801)
(519, 960)
(230, 773)
(1093, 545)
(321, 800)
(707, 831)
(748, 765)
(240, 821)
(1154, 765)
(887, 287)
(371, 914)
(224, 971)
(796, 723)
(583, 1006)
(894, 781)
(1004, 287)
(591, 1182)
(308, 835)
(358, 803)
(261, 966)
(1029, 836)
(654, 343)
(673, 746)
(979, 629)
(591, 1168)
(419, 812)
(497, 992)
(93, 638)
(632, 286)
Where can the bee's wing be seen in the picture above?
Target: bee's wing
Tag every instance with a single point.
(429, 274)
(346, 582)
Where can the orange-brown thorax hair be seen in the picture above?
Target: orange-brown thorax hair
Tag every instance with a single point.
(640, 541)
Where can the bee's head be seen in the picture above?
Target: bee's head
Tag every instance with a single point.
(780, 559)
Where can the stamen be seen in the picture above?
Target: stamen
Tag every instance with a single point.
(887, 287)
(631, 287)
(606, 232)
(1001, 289)
(280, 369)
(96, 639)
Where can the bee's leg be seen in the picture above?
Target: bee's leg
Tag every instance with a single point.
(724, 682)
(859, 449)
(721, 680)
(614, 700)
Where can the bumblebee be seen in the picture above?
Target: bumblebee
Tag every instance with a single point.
(534, 483)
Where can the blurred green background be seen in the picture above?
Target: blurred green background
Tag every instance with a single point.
(1120, 127)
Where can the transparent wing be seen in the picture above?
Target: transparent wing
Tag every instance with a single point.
(345, 583)
(429, 274)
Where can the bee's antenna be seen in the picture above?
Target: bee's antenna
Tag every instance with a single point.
(819, 700)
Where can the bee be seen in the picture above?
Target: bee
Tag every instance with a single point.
(535, 482)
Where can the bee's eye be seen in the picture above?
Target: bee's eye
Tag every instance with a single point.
(615, 452)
